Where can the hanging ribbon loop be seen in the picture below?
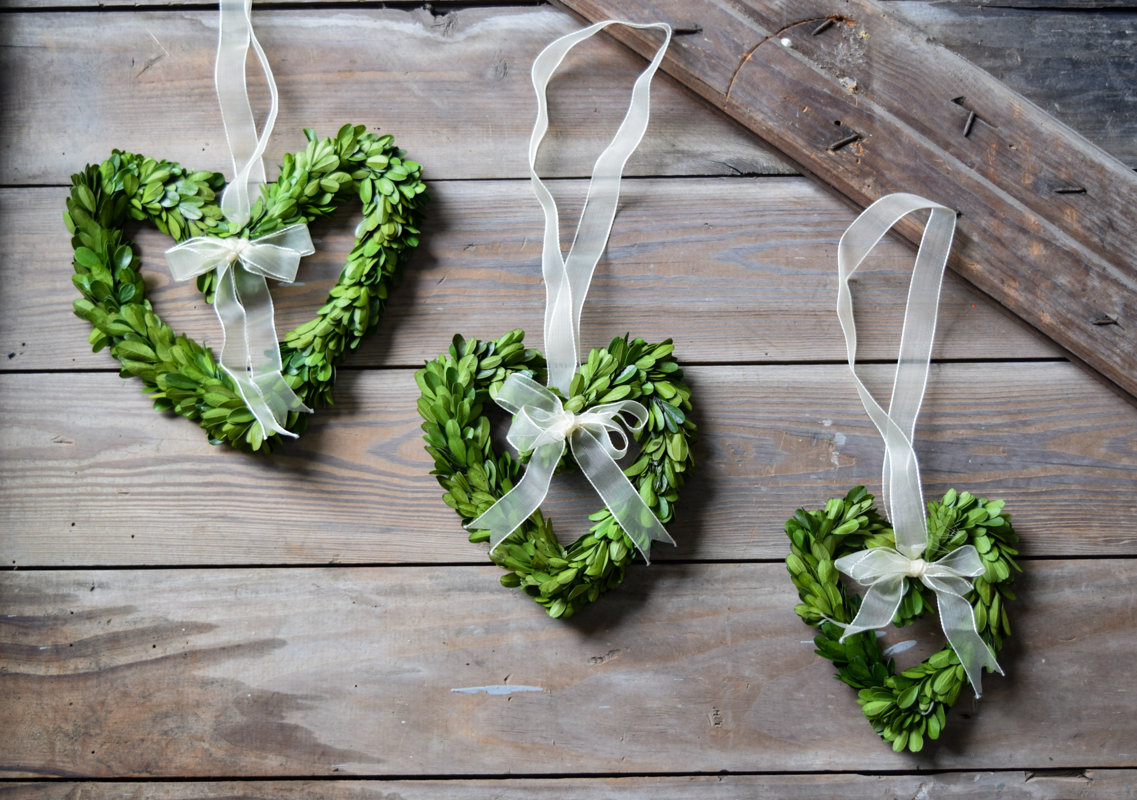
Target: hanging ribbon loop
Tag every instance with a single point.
(250, 352)
(567, 277)
(885, 570)
(229, 79)
(540, 423)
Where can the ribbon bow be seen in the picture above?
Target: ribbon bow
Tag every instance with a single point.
(884, 569)
(250, 352)
(540, 422)
(542, 425)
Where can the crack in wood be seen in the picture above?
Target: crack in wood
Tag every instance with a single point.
(774, 35)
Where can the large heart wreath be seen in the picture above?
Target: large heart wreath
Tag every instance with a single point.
(904, 707)
(456, 388)
(177, 372)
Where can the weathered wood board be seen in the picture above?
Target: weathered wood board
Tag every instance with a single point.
(186, 622)
(869, 105)
(1095, 784)
(86, 479)
(1079, 67)
(154, 80)
(408, 73)
(679, 264)
(438, 671)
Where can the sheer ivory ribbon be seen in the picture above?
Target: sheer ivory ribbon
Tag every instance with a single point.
(885, 569)
(250, 352)
(540, 422)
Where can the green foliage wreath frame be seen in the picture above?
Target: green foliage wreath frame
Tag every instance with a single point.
(457, 388)
(177, 372)
(908, 707)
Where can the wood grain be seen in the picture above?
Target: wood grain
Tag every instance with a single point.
(449, 88)
(1047, 226)
(147, 652)
(93, 476)
(1065, 5)
(1079, 67)
(1106, 784)
(734, 270)
(322, 672)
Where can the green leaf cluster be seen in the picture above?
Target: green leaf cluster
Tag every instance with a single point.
(181, 375)
(457, 388)
(909, 707)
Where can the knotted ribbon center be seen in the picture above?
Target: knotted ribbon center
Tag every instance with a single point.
(542, 426)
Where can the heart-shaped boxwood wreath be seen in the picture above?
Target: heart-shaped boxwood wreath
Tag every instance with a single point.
(178, 373)
(456, 390)
(904, 707)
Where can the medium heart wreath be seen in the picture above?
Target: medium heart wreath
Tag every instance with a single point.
(457, 388)
(906, 707)
(557, 403)
(961, 549)
(180, 374)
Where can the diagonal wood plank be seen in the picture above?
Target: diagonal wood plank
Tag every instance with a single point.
(751, 263)
(869, 106)
(311, 673)
(1095, 784)
(93, 476)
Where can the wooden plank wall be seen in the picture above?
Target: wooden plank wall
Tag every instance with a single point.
(182, 621)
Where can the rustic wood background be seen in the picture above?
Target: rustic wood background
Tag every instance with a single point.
(183, 621)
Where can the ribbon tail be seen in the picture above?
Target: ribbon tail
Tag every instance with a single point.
(878, 607)
(506, 515)
(259, 405)
(618, 493)
(958, 620)
(250, 352)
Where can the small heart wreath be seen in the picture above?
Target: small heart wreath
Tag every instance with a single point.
(177, 372)
(904, 707)
(456, 389)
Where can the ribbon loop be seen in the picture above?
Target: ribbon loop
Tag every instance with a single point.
(542, 425)
(885, 570)
(567, 277)
(234, 37)
(597, 436)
